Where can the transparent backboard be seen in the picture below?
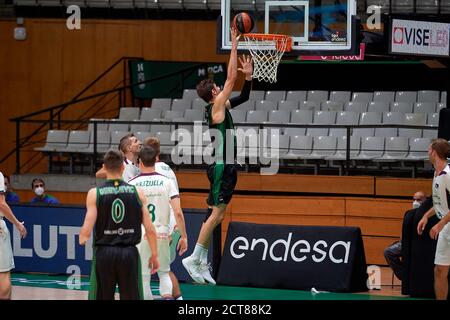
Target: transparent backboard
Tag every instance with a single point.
(320, 26)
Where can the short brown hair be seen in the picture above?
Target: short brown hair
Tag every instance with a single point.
(204, 89)
(113, 160)
(36, 180)
(125, 142)
(147, 156)
(154, 143)
(442, 148)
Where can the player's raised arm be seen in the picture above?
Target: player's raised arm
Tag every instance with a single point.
(91, 216)
(247, 69)
(218, 110)
(150, 232)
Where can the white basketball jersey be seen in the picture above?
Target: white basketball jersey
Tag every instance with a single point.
(165, 170)
(130, 171)
(441, 192)
(159, 190)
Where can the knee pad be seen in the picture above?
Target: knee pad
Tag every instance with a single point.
(165, 284)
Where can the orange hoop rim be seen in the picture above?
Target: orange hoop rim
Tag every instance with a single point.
(272, 37)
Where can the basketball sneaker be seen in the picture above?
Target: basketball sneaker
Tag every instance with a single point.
(192, 266)
(205, 271)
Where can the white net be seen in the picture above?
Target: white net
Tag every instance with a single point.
(266, 55)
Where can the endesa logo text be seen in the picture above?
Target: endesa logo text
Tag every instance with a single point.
(420, 37)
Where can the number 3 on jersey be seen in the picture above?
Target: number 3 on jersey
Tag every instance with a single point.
(151, 209)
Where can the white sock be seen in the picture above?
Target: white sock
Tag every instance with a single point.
(204, 256)
(197, 254)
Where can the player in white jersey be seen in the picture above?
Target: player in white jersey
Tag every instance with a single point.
(161, 194)
(6, 254)
(129, 145)
(175, 235)
(438, 152)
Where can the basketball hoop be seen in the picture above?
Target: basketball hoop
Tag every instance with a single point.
(267, 50)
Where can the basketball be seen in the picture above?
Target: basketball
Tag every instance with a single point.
(243, 22)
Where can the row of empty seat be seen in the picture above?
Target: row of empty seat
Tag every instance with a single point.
(434, 96)
(287, 146)
(411, 6)
(295, 117)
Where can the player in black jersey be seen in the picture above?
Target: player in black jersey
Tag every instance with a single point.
(117, 210)
(222, 173)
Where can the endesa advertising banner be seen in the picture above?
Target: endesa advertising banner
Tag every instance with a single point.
(422, 38)
(294, 257)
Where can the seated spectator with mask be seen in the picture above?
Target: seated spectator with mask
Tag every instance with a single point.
(10, 196)
(392, 253)
(38, 186)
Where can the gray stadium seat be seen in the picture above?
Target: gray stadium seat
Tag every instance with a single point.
(323, 147)
(56, 139)
(362, 97)
(358, 107)
(142, 135)
(406, 96)
(440, 106)
(317, 95)
(195, 4)
(418, 148)
(239, 116)
(413, 119)
(277, 151)
(80, 3)
(344, 118)
(428, 96)
(49, 3)
(427, 6)
(402, 6)
(100, 126)
(265, 105)
(384, 96)
(256, 116)
(256, 95)
(129, 113)
(395, 118)
(299, 117)
(371, 147)
(296, 96)
(367, 118)
(139, 127)
(103, 142)
(173, 114)
(287, 105)
(198, 104)
(98, 3)
(194, 115)
(189, 94)
(122, 4)
(402, 107)
(180, 105)
(309, 105)
(299, 147)
(118, 126)
(396, 149)
(275, 96)
(29, 3)
(340, 96)
(444, 97)
(171, 4)
(341, 149)
(278, 116)
(378, 106)
(161, 103)
(161, 128)
(246, 106)
(321, 117)
(424, 107)
(165, 140)
(115, 138)
(150, 114)
(332, 106)
(432, 120)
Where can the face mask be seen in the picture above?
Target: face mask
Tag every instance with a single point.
(416, 204)
(39, 191)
